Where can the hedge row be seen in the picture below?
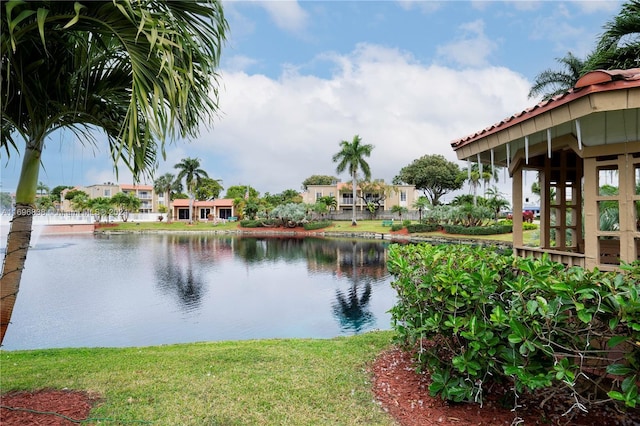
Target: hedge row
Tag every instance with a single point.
(532, 324)
(460, 230)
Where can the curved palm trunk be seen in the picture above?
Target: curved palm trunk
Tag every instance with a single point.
(353, 214)
(19, 237)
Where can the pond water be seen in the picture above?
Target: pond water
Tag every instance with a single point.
(151, 289)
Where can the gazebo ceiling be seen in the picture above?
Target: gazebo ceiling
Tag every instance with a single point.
(603, 108)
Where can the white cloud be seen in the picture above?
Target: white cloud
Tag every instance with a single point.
(426, 7)
(286, 14)
(277, 132)
(471, 48)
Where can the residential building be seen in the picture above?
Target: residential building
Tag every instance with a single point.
(396, 195)
(146, 195)
(203, 210)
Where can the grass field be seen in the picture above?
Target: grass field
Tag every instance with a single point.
(259, 382)
(363, 226)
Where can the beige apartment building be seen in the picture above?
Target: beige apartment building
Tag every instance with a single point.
(149, 200)
(397, 195)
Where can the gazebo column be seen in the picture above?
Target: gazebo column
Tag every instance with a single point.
(627, 208)
(591, 214)
(516, 190)
(545, 202)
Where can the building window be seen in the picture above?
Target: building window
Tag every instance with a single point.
(204, 213)
(403, 195)
(347, 198)
(318, 195)
(183, 214)
(107, 193)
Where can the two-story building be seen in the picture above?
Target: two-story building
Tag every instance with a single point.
(377, 191)
(144, 193)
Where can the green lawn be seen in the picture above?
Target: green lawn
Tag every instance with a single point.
(363, 226)
(259, 382)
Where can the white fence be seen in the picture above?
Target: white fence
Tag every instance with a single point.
(73, 218)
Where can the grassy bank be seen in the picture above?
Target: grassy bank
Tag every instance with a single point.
(266, 382)
(364, 226)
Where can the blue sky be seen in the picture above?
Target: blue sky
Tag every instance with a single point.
(407, 76)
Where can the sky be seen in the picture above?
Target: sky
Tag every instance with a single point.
(299, 77)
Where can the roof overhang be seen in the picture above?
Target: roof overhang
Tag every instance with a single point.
(603, 108)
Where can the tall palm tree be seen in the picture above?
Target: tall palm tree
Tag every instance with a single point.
(619, 45)
(550, 83)
(166, 184)
(142, 72)
(191, 172)
(351, 156)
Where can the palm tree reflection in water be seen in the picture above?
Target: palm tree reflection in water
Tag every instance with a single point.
(176, 273)
(351, 309)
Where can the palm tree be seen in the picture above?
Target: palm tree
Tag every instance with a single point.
(421, 204)
(330, 201)
(399, 210)
(166, 184)
(126, 203)
(191, 172)
(142, 72)
(619, 45)
(550, 83)
(42, 188)
(351, 156)
(475, 178)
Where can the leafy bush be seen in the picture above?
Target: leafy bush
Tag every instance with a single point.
(396, 227)
(477, 230)
(406, 222)
(423, 227)
(317, 225)
(528, 226)
(532, 323)
(249, 223)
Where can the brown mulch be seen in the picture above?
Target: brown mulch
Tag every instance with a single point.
(404, 394)
(48, 407)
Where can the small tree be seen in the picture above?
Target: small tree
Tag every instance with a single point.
(399, 210)
(125, 203)
(434, 175)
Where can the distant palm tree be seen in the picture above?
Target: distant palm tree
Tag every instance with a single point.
(619, 45)
(42, 188)
(351, 157)
(330, 201)
(166, 184)
(191, 172)
(399, 210)
(550, 83)
(421, 204)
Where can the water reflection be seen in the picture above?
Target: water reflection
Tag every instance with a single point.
(176, 274)
(203, 287)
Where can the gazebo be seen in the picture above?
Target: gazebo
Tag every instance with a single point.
(585, 147)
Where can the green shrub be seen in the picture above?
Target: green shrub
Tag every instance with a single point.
(477, 230)
(396, 227)
(532, 323)
(529, 226)
(406, 223)
(251, 223)
(422, 227)
(317, 225)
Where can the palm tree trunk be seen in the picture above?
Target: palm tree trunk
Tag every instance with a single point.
(169, 206)
(19, 237)
(353, 215)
